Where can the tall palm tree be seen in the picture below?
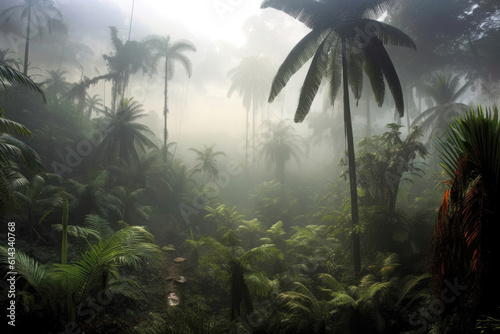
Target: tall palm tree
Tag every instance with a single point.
(280, 145)
(208, 162)
(345, 38)
(123, 135)
(444, 91)
(128, 58)
(56, 83)
(465, 235)
(250, 78)
(162, 48)
(36, 13)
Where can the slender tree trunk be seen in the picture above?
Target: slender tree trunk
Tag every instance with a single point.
(280, 171)
(407, 108)
(253, 131)
(165, 111)
(368, 117)
(131, 17)
(356, 251)
(27, 47)
(246, 141)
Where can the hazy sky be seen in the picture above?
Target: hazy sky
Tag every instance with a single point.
(213, 19)
(224, 32)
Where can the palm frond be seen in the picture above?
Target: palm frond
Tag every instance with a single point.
(297, 57)
(13, 76)
(313, 79)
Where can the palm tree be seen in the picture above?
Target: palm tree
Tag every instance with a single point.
(465, 235)
(128, 58)
(338, 44)
(250, 231)
(127, 205)
(223, 216)
(280, 145)
(239, 269)
(70, 285)
(208, 162)
(56, 83)
(124, 135)
(37, 13)
(14, 154)
(93, 104)
(171, 52)
(37, 195)
(307, 314)
(250, 78)
(444, 92)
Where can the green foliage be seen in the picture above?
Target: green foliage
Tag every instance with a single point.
(488, 325)
(476, 136)
(8, 75)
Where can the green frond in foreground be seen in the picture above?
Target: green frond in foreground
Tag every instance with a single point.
(11, 127)
(475, 136)
(8, 75)
(33, 272)
(126, 247)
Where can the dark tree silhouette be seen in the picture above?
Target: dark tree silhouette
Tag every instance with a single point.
(345, 41)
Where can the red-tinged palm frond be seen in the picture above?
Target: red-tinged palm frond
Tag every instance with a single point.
(464, 236)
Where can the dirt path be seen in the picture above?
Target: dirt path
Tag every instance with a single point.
(174, 278)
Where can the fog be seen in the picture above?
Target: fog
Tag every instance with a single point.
(326, 166)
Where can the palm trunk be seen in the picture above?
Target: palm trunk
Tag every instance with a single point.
(356, 251)
(165, 111)
(280, 171)
(253, 132)
(368, 120)
(27, 47)
(407, 108)
(246, 141)
(131, 18)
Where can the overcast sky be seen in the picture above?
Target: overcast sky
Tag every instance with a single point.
(224, 32)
